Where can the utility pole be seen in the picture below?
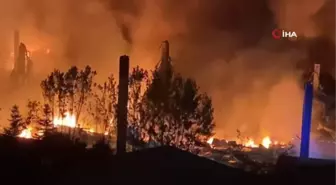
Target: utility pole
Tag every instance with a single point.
(311, 86)
(122, 104)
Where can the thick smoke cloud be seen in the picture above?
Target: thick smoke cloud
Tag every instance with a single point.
(225, 45)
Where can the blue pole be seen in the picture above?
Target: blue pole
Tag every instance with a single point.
(306, 120)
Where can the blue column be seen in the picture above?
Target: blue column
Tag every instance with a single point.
(306, 120)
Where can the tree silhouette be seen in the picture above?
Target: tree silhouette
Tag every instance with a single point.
(45, 122)
(48, 87)
(33, 112)
(16, 123)
(138, 134)
(164, 107)
(103, 106)
(84, 88)
(68, 91)
(171, 111)
(61, 92)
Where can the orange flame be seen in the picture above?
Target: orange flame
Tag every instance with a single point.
(266, 142)
(250, 143)
(210, 140)
(68, 121)
(26, 133)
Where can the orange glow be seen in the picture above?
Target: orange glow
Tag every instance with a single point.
(210, 140)
(266, 142)
(68, 121)
(26, 133)
(251, 144)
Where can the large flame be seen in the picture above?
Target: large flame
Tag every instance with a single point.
(26, 133)
(250, 143)
(266, 142)
(68, 121)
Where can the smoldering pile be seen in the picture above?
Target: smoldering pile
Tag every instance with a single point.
(255, 158)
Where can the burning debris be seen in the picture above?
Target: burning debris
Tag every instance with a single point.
(246, 153)
(65, 123)
(26, 133)
(266, 142)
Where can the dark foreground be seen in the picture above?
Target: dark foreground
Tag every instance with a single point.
(62, 163)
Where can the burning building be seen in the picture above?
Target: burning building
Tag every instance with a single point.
(22, 61)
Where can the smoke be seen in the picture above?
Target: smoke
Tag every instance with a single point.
(297, 15)
(225, 45)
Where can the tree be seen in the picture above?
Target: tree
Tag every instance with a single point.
(67, 92)
(103, 106)
(48, 87)
(83, 89)
(70, 78)
(136, 116)
(16, 123)
(61, 92)
(45, 122)
(33, 112)
(171, 111)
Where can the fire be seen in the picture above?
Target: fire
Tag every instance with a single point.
(68, 121)
(250, 143)
(210, 140)
(266, 142)
(26, 133)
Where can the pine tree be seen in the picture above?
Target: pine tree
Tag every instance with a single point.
(45, 122)
(16, 123)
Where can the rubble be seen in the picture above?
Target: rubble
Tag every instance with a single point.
(258, 159)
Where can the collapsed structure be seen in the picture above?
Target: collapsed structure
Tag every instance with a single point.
(22, 62)
(165, 65)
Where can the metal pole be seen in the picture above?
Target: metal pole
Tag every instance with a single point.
(306, 120)
(122, 104)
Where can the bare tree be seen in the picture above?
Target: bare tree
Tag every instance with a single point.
(84, 84)
(137, 119)
(48, 87)
(33, 112)
(45, 122)
(68, 91)
(103, 106)
(71, 86)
